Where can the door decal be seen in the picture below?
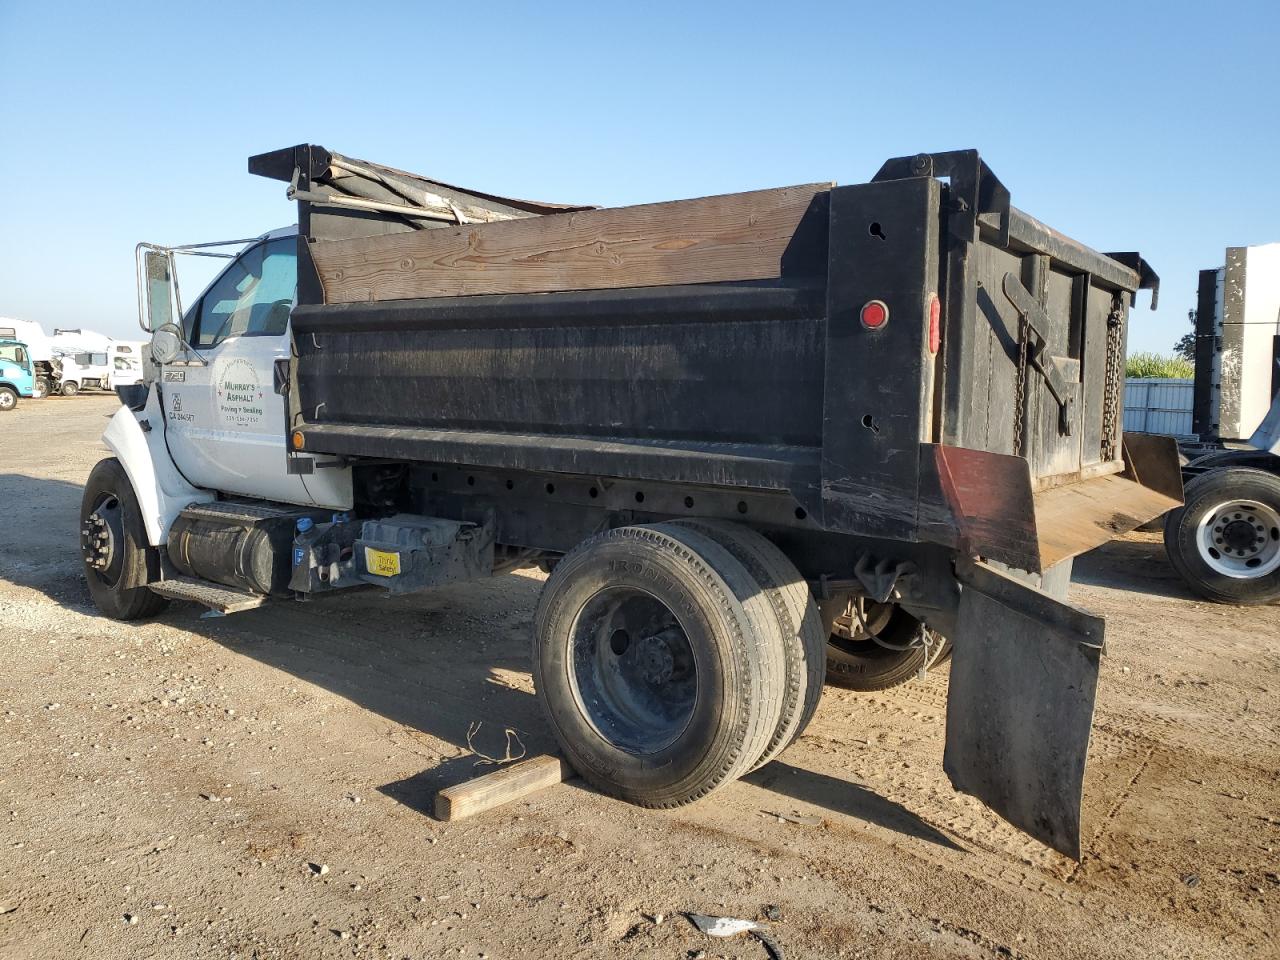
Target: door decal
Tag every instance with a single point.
(239, 392)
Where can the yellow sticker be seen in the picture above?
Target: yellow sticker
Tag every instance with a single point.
(381, 563)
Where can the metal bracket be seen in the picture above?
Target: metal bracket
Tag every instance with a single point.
(879, 580)
(1061, 374)
(975, 190)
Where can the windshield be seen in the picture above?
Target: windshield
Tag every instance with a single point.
(251, 298)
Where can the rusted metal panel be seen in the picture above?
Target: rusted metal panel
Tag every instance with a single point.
(998, 515)
(991, 503)
(1075, 518)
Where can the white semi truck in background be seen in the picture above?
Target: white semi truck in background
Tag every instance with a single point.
(1225, 540)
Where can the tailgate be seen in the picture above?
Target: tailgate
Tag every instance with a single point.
(1033, 330)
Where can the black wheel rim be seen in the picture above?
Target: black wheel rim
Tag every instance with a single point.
(632, 670)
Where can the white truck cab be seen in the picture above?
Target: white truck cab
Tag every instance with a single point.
(213, 420)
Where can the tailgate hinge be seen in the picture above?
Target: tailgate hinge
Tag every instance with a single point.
(1061, 374)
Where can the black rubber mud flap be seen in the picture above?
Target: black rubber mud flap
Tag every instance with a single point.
(1024, 676)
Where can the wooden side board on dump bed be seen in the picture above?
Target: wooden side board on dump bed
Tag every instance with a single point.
(740, 236)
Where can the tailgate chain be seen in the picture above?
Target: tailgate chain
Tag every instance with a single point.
(1020, 386)
(1111, 388)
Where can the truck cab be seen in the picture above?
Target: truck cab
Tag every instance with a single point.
(17, 374)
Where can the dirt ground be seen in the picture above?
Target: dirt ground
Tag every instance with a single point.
(165, 788)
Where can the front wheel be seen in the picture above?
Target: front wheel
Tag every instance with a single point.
(113, 545)
(70, 388)
(1225, 540)
(8, 399)
(40, 389)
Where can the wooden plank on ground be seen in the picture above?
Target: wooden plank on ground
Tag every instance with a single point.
(502, 786)
(739, 236)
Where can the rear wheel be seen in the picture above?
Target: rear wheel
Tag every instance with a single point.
(113, 545)
(8, 399)
(1225, 540)
(799, 624)
(658, 663)
(70, 388)
(874, 646)
(40, 389)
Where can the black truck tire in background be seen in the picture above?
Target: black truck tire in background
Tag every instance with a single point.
(8, 399)
(659, 664)
(120, 590)
(862, 664)
(799, 624)
(1225, 539)
(39, 389)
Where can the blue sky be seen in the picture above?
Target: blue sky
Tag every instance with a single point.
(1128, 126)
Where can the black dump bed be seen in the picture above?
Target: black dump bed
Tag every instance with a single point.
(911, 358)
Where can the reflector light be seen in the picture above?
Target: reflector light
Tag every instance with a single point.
(935, 323)
(874, 314)
(298, 440)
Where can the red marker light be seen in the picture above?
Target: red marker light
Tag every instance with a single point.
(874, 314)
(935, 323)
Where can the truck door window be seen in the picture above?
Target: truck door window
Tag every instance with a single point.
(253, 297)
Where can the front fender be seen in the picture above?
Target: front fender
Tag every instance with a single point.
(161, 490)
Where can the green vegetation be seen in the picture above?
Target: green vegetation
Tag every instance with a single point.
(1149, 365)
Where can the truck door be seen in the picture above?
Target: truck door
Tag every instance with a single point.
(224, 422)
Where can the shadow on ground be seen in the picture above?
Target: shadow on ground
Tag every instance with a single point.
(438, 662)
(1140, 566)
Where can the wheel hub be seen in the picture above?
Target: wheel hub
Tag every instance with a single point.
(1241, 536)
(101, 536)
(654, 659)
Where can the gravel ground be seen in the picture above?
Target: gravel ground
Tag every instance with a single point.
(261, 785)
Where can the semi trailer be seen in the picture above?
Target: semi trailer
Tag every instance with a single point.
(748, 436)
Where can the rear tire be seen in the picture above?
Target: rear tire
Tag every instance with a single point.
(111, 523)
(856, 662)
(70, 388)
(1225, 540)
(657, 660)
(40, 389)
(8, 399)
(799, 624)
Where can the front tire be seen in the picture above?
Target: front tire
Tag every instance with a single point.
(1225, 539)
(658, 663)
(70, 388)
(40, 389)
(8, 399)
(113, 543)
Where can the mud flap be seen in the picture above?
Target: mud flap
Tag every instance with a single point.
(1024, 675)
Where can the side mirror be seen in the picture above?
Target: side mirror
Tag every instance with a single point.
(166, 344)
(158, 287)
